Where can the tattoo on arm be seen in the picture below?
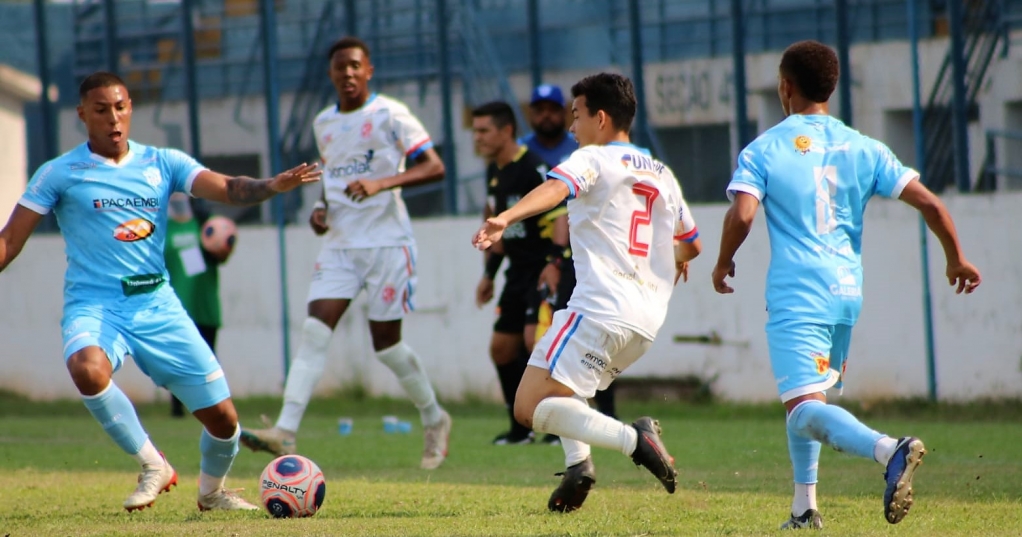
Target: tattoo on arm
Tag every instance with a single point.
(248, 191)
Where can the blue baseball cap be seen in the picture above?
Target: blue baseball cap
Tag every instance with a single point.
(547, 92)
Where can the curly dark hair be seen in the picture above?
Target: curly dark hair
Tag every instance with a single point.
(612, 93)
(813, 67)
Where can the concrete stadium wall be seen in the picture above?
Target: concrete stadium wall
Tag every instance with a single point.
(978, 337)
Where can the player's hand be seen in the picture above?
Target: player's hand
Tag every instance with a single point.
(680, 271)
(317, 221)
(550, 277)
(719, 273)
(964, 275)
(491, 232)
(484, 291)
(361, 189)
(296, 177)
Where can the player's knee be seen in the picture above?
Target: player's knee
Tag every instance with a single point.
(524, 410)
(385, 334)
(90, 371)
(221, 419)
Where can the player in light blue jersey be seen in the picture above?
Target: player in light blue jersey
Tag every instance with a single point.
(813, 175)
(110, 196)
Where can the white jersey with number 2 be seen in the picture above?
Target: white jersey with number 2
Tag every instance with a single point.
(625, 211)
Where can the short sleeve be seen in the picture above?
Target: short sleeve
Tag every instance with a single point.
(579, 172)
(890, 174)
(182, 170)
(686, 230)
(43, 191)
(749, 176)
(409, 133)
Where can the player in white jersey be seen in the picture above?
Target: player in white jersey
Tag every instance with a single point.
(632, 237)
(364, 141)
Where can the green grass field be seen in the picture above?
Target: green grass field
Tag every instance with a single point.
(63, 476)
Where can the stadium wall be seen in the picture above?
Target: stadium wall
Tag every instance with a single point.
(978, 337)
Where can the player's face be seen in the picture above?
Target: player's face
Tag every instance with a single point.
(350, 72)
(547, 118)
(488, 139)
(585, 127)
(106, 113)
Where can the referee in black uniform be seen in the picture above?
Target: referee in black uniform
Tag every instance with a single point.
(513, 171)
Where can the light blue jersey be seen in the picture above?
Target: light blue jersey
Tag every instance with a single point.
(814, 176)
(113, 218)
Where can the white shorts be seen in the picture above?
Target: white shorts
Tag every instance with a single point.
(386, 274)
(586, 355)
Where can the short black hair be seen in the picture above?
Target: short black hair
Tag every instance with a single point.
(813, 67)
(99, 79)
(612, 93)
(347, 42)
(501, 113)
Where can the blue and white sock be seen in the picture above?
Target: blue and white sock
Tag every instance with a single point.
(114, 411)
(833, 426)
(805, 462)
(217, 457)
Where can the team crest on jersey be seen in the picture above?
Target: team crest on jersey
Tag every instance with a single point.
(389, 294)
(367, 129)
(152, 176)
(822, 362)
(803, 144)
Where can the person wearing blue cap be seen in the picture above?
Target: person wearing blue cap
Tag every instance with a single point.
(550, 138)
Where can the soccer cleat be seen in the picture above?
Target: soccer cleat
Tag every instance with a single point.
(810, 520)
(575, 485)
(511, 439)
(900, 470)
(226, 500)
(151, 482)
(551, 440)
(271, 439)
(651, 453)
(435, 439)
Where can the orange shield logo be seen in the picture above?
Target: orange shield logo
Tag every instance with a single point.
(822, 362)
(134, 230)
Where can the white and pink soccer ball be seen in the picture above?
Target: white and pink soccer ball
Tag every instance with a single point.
(219, 235)
(292, 486)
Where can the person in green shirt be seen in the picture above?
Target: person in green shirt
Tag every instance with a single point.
(193, 270)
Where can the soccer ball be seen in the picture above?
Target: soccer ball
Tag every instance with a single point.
(219, 235)
(292, 486)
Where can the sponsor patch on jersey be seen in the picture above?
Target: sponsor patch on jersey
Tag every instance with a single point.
(803, 144)
(133, 230)
(141, 284)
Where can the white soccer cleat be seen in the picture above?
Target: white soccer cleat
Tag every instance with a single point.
(436, 437)
(151, 482)
(272, 440)
(226, 500)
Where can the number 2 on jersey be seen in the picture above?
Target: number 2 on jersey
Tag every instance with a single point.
(826, 206)
(641, 218)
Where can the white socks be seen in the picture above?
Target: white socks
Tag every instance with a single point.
(304, 373)
(401, 359)
(884, 449)
(571, 418)
(148, 456)
(805, 498)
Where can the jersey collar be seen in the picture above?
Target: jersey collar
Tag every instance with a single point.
(372, 97)
(642, 150)
(124, 161)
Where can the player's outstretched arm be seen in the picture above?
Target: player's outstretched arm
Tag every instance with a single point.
(737, 224)
(19, 227)
(247, 191)
(540, 200)
(960, 273)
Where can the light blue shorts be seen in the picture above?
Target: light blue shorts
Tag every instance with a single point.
(162, 340)
(807, 357)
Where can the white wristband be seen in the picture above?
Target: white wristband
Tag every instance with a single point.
(320, 204)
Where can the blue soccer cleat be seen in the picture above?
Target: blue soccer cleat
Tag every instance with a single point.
(900, 470)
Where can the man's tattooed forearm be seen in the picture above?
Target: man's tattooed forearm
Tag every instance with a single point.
(248, 191)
